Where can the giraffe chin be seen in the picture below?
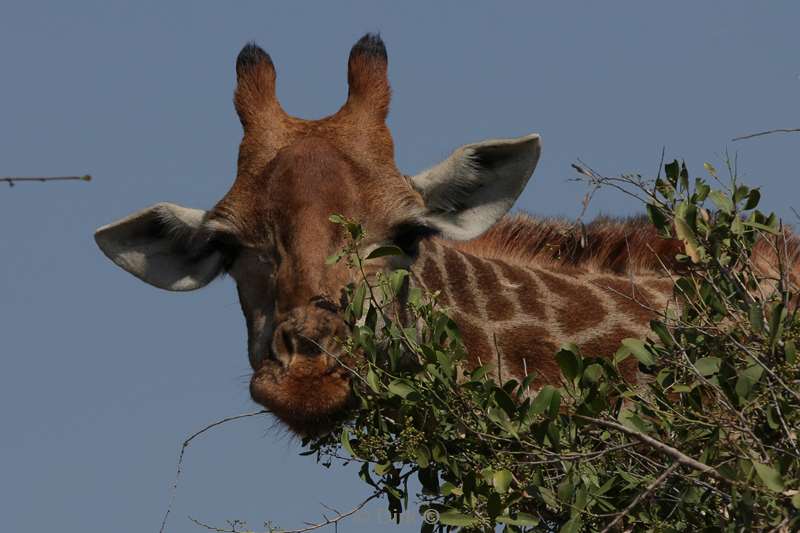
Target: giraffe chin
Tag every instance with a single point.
(309, 395)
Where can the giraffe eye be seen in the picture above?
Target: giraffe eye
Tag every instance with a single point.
(407, 235)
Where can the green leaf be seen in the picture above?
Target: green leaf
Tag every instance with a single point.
(633, 421)
(657, 217)
(752, 199)
(451, 517)
(373, 381)
(701, 190)
(747, 379)
(501, 480)
(542, 400)
(569, 362)
(593, 373)
(621, 354)
(762, 227)
(708, 366)
(710, 169)
(345, 439)
(573, 526)
(776, 319)
(521, 519)
(555, 404)
(400, 388)
(790, 350)
(741, 192)
(672, 170)
(771, 477)
(639, 350)
(357, 303)
(422, 455)
(756, 318)
(686, 234)
(383, 251)
(396, 279)
(661, 330)
(722, 201)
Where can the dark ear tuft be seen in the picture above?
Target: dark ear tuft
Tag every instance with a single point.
(250, 56)
(370, 45)
(367, 77)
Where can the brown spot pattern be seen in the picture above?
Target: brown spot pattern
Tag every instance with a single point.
(527, 292)
(432, 279)
(498, 306)
(460, 286)
(581, 310)
(631, 300)
(475, 340)
(535, 346)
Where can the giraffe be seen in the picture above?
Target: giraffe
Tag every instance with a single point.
(514, 287)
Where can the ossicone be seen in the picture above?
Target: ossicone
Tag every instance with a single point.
(367, 76)
(255, 85)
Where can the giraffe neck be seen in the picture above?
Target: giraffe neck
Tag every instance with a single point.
(516, 316)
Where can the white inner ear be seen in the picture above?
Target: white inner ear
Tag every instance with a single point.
(473, 188)
(156, 246)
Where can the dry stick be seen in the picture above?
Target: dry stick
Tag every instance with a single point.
(768, 132)
(311, 527)
(12, 181)
(649, 490)
(174, 489)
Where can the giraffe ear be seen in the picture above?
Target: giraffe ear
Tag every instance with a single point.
(164, 245)
(472, 189)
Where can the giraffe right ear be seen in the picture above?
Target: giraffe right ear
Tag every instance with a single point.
(165, 245)
(472, 189)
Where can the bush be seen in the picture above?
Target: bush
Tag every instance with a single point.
(708, 442)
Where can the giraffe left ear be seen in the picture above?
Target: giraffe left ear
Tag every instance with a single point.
(472, 189)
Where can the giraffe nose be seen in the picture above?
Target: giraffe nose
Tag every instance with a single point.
(307, 332)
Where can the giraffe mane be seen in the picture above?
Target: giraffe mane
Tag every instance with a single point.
(611, 244)
(618, 245)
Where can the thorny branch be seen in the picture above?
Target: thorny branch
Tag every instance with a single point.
(309, 526)
(14, 180)
(174, 488)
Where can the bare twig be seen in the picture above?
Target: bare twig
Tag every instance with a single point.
(649, 490)
(768, 132)
(174, 488)
(310, 526)
(13, 180)
(666, 449)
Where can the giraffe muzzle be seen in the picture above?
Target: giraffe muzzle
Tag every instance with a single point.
(308, 332)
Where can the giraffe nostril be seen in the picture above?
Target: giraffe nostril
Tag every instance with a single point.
(287, 341)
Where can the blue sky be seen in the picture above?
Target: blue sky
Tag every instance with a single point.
(102, 377)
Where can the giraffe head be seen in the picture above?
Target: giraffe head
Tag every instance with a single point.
(271, 232)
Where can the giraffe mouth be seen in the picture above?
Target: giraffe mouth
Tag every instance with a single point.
(307, 393)
(301, 377)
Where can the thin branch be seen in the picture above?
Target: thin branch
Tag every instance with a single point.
(174, 488)
(662, 447)
(768, 132)
(649, 490)
(13, 180)
(310, 527)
